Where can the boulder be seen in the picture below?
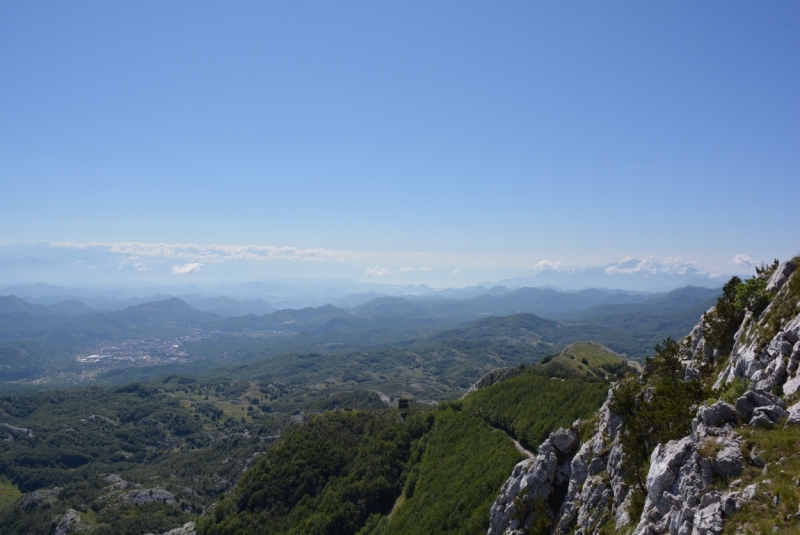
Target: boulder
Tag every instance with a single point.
(768, 415)
(720, 413)
(793, 415)
(729, 461)
(752, 399)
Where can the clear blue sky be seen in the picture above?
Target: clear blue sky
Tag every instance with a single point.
(505, 133)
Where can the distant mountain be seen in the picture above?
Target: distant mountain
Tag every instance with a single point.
(11, 304)
(542, 302)
(304, 319)
(172, 310)
(227, 307)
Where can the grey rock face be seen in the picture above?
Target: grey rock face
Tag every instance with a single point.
(143, 496)
(752, 400)
(37, 497)
(770, 365)
(187, 529)
(720, 413)
(533, 480)
(694, 353)
(16, 432)
(794, 415)
(596, 490)
(781, 275)
(680, 497)
(769, 415)
(69, 523)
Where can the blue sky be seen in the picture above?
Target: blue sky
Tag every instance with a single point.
(478, 137)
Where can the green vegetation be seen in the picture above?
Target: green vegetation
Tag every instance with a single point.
(737, 299)
(150, 435)
(779, 448)
(784, 306)
(531, 405)
(585, 360)
(326, 476)
(9, 493)
(451, 490)
(653, 411)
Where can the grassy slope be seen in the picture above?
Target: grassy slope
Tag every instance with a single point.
(465, 464)
(530, 406)
(585, 360)
(780, 449)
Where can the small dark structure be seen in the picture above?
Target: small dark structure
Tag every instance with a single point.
(402, 404)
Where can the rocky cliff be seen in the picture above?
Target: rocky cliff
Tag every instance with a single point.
(695, 484)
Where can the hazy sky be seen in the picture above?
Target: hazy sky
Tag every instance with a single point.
(487, 136)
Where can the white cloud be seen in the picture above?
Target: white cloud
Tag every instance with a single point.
(743, 260)
(406, 270)
(186, 269)
(456, 271)
(674, 265)
(375, 272)
(546, 264)
(424, 269)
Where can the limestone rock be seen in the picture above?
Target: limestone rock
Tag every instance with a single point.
(794, 415)
(187, 529)
(729, 461)
(533, 480)
(781, 275)
(769, 415)
(718, 414)
(37, 497)
(754, 399)
(70, 523)
(143, 496)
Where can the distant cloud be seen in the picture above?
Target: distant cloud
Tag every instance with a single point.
(186, 269)
(216, 253)
(424, 269)
(743, 260)
(406, 270)
(674, 265)
(546, 264)
(456, 271)
(375, 272)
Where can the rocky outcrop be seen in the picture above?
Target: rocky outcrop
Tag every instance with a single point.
(767, 363)
(39, 497)
(781, 275)
(143, 496)
(683, 495)
(70, 522)
(596, 489)
(534, 485)
(680, 496)
(14, 432)
(187, 529)
(694, 353)
(794, 415)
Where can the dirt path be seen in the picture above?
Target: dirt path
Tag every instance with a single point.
(522, 450)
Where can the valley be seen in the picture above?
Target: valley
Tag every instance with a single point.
(289, 422)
